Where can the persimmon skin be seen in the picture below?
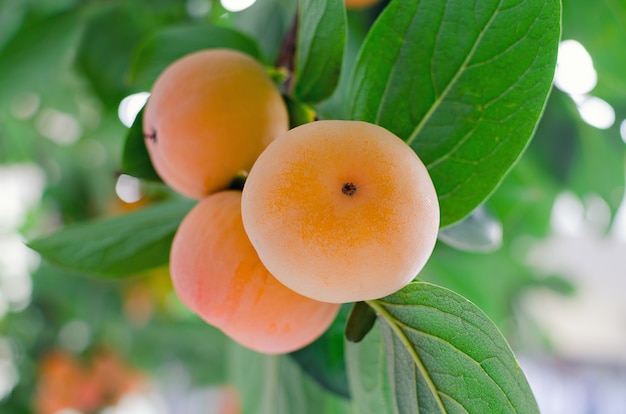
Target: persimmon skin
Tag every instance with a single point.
(210, 114)
(341, 211)
(218, 275)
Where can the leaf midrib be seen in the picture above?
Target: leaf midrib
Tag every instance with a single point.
(410, 349)
(464, 353)
(454, 79)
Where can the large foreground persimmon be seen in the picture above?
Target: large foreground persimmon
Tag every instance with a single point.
(216, 272)
(209, 116)
(341, 211)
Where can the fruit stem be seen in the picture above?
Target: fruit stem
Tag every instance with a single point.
(349, 189)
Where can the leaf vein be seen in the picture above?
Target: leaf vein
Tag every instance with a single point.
(454, 79)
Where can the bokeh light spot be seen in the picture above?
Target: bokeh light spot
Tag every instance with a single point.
(237, 5)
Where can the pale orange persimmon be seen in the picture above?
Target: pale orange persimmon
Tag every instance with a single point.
(341, 211)
(218, 275)
(209, 116)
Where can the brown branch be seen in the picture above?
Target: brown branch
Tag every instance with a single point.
(287, 54)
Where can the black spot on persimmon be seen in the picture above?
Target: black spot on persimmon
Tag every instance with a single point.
(349, 189)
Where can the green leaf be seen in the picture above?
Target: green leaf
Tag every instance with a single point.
(34, 59)
(362, 319)
(12, 13)
(167, 45)
(492, 281)
(444, 355)
(274, 384)
(135, 158)
(319, 50)
(105, 52)
(464, 83)
(117, 246)
(299, 113)
(367, 374)
(324, 359)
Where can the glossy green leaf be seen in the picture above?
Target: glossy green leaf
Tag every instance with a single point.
(135, 158)
(167, 45)
(275, 384)
(319, 50)
(444, 355)
(117, 246)
(464, 83)
(367, 374)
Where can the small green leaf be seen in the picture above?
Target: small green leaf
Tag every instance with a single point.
(299, 113)
(319, 49)
(274, 384)
(361, 320)
(367, 374)
(117, 246)
(444, 355)
(464, 83)
(135, 158)
(162, 48)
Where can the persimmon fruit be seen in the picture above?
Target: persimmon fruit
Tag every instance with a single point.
(210, 114)
(217, 273)
(341, 211)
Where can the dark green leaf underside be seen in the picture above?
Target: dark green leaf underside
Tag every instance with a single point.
(118, 246)
(464, 83)
(362, 319)
(444, 355)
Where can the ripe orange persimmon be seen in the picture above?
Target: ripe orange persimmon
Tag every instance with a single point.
(209, 116)
(218, 275)
(341, 211)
